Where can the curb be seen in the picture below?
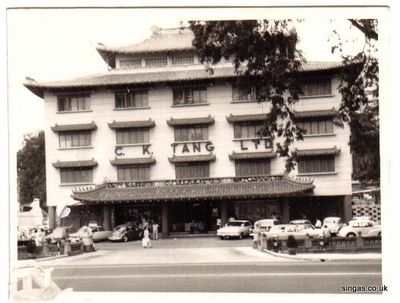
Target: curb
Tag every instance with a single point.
(63, 256)
(312, 259)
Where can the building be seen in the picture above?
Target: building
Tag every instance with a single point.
(157, 136)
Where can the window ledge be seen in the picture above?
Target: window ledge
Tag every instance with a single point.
(245, 101)
(132, 144)
(316, 96)
(75, 147)
(194, 104)
(250, 139)
(74, 111)
(193, 141)
(77, 184)
(318, 174)
(132, 108)
(319, 135)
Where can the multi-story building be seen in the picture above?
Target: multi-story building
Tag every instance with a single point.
(160, 137)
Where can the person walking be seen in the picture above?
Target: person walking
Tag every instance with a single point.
(146, 243)
(39, 242)
(155, 231)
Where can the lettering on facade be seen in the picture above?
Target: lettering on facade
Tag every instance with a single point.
(267, 143)
(192, 147)
(145, 150)
(118, 151)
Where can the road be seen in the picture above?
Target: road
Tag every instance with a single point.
(302, 277)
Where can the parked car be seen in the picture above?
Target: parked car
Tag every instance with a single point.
(283, 231)
(58, 234)
(235, 229)
(360, 226)
(99, 233)
(300, 221)
(308, 228)
(333, 224)
(263, 225)
(125, 232)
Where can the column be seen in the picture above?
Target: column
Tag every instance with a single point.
(347, 210)
(107, 217)
(285, 210)
(51, 215)
(112, 216)
(224, 213)
(164, 219)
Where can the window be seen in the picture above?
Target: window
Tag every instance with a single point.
(316, 126)
(75, 139)
(133, 173)
(319, 164)
(189, 96)
(131, 99)
(73, 103)
(246, 92)
(247, 130)
(76, 175)
(156, 62)
(182, 60)
(191, 133)
(133, 135)
(132, 63)
(192, 170)
(253, 167)
(317, 87)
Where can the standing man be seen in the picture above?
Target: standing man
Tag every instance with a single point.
(155, 231)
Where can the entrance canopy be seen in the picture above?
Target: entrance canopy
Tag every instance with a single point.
(195, 189)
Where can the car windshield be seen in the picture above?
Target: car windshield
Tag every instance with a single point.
(235, 223)
(120, 228)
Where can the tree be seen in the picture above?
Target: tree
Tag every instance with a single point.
(266, 50)
(31, 169)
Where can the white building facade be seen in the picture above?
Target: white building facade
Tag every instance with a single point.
(157, 136)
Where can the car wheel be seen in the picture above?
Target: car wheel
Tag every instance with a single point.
(125, 239)
(350, 235)
(241, 236)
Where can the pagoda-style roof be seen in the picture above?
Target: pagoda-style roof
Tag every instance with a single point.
(192, 158)
(74, 127)
(133, 161)
(317, 152)
(246, 118)
(71, 164)
(315, 114)
(196, 189)
(252, 155)
(131, 124)
(191, 121)
(131, 77)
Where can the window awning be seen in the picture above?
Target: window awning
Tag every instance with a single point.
(133, 161)
(247, 118)
(253, 155)
(317, 152)
(315, 114)
(131, 124)
(191, 121)
(193, 158)
(74, 127)
(70, 164)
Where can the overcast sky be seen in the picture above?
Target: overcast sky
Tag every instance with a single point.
(55, 44)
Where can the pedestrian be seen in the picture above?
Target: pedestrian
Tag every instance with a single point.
(255, 239)
(318, 223)
(39, 242)
(146, 243)
(155, 231)
(326, 233)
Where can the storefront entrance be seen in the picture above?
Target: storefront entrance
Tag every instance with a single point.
(135, 213)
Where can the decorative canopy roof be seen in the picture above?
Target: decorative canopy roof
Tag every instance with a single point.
(318, 152)
(191, 121)
(251, 155)
(74, 127)
(247, 118)
(315, 113)
(131, 124)
(174, 191)
(71, 164)
(193, 158)
(126, 77)
(133, 161)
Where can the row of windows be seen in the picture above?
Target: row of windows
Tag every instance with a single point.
(156, 62)
(323, 164)
(188, 133)
(184, 96)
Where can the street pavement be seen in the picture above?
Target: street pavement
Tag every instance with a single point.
(207, 265)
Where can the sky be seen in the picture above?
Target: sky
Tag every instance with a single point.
(57, 44)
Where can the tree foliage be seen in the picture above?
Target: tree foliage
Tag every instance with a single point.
(267, 50)
(31, 169)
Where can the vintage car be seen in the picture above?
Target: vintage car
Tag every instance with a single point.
(333, 224)
(234, 229)
(98, 232)
(308, 228)
(363, 227)
(283, 231)
(263, 225)
(125, 232)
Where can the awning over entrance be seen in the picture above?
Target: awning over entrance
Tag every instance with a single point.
(195, 189)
